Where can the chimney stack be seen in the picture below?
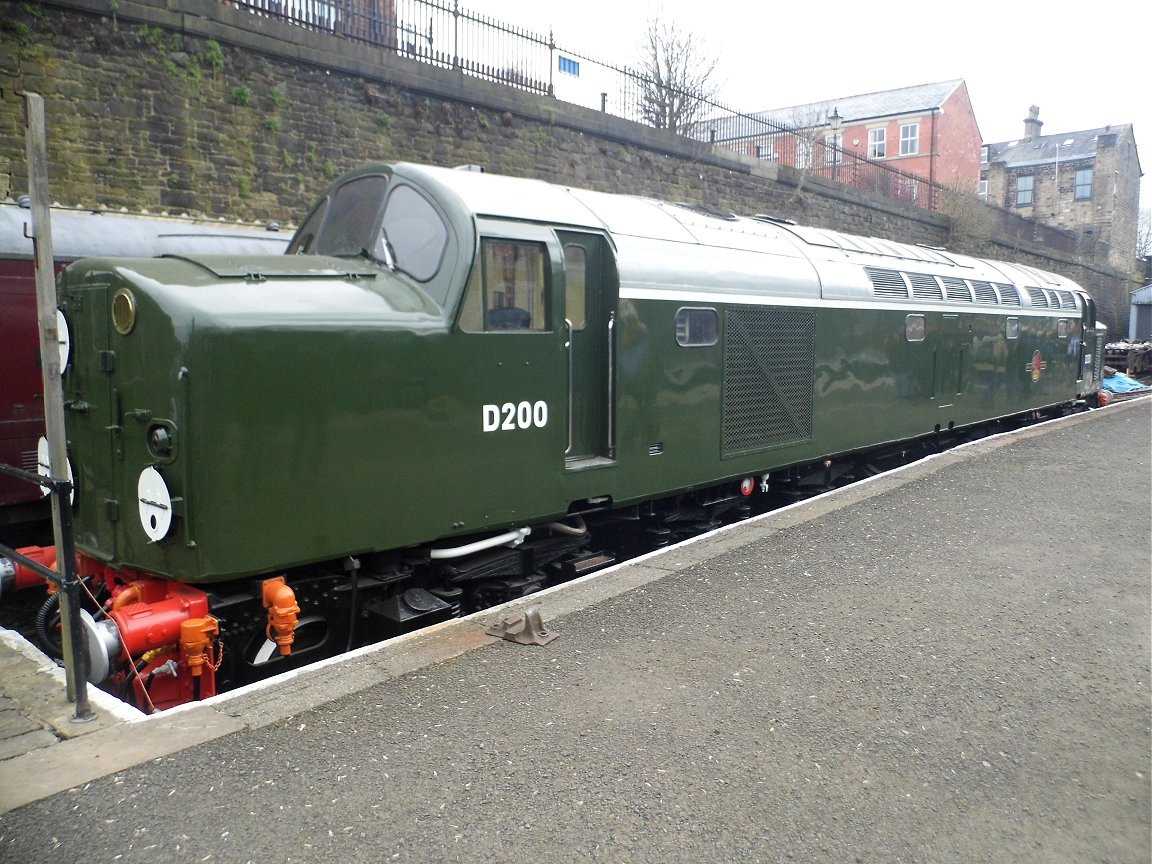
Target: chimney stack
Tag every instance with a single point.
(1032, 124)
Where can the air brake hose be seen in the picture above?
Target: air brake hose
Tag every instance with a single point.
(47, 623)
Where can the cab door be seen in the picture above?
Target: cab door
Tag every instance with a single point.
(949, 356)
(93, 414)
(590, 295)
(1086, 331)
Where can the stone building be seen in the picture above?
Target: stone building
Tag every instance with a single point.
(1087, 182)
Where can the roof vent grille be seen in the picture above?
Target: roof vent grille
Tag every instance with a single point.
(984, 291)
(925, 287)
(887, 283)
(1009, 296)
(957, 290)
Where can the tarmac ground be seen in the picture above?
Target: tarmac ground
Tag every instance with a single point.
(946, 663)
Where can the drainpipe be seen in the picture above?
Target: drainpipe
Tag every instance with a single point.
(932, 158)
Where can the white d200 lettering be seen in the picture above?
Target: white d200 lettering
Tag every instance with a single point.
(511, 416)
(491, 418)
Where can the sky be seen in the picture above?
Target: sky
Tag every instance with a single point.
(1084, 69)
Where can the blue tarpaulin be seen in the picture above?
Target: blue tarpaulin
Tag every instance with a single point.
(1121, 383)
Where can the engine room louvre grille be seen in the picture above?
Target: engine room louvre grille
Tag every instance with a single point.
(769, 376)
(1037, 295)
(956, 289)
(887, 283)
(925, 287)
(984, 291)
(1009, 296)
(1067, 301)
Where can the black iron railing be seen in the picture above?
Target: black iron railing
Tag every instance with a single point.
(445, 34)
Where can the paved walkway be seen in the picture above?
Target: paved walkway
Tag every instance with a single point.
(946, 663)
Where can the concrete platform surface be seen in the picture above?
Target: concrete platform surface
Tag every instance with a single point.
(946, 663)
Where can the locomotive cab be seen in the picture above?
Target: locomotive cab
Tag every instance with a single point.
(547, 278)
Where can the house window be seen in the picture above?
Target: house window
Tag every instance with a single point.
(984, 155)
(803, 153)
(1024, 185)
(1084, 184)
(982, 189)
(765, 151)
(877, 143)
(910, 139)
(569, 66)
(832, 145)
(320, 15)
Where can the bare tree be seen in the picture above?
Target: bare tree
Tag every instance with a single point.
(677, 78)
(1144, 234)
(806, 146)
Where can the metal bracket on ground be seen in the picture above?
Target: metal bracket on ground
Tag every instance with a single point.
(528, 629)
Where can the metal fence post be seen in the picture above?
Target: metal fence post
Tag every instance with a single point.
(456, 34)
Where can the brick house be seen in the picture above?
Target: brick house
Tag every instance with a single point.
(928, 130)
(1087, 182)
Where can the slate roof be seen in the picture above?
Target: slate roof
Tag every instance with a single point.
(853, 109)
(1046, 148)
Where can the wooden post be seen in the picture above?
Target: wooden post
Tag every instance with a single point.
(75, 647)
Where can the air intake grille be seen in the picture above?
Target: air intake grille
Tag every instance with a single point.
(1067, 301)
(886, 283)
(984, 291)
(925, 287)
(957, 289)
(1038, 296)
(1009, 296)
(769, 375)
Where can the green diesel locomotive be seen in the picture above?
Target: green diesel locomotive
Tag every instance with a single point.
(453, 378)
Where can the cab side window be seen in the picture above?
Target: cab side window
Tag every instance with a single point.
(508, 291)
(575, 285)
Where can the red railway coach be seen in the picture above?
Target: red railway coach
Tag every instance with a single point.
(77, 234)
